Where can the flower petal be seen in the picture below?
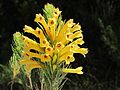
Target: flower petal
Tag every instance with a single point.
(77, 70)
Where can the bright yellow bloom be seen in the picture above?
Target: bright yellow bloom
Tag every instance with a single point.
(67, 57)
(77, 70)
(44, 43)
(40, 19)
(31, 44)
(68, 48)
(49, 50)
(38, 33)
(82, 51)
(67, 26)
(51, 22)
(56, 12)
(77, 34)
(76, 28)
(52, 25)
(31, 64)
(45, 58)
(31, 54)
(59, 46)
(66, 38)
(78, 41)
(58, 41)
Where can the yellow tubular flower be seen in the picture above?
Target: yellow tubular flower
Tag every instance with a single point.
(44, 43)
(42, 38)
(56, 12)
(67, 57)
(67, 38)
(82, 51)
(32, 54)
(68, 48)
(77, 70)
(30, 44)
(28, 61)
(68, 25)
(30, 64)
(59, 46)
(38, 32)
(78, 41)
(40, 19)
(75, 28)
(77, 34)
(52, 25)
(77, 49)
(28, 29)
(29, 67)
(49, 50)
(45, 57)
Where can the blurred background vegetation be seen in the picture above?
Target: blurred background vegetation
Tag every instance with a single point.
(100, 22)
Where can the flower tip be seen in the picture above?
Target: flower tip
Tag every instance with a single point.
(79, 70)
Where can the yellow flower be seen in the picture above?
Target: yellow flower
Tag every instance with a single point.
(52, 25)
(28, 28)
(75, 49)
(31, 64)
(31, 44)
(44, 43)
(59, 46)
(31, 55)
(66, 38)
(68, 48)
(78, 41)
(58, 41)
(49, 50)
(67, 26)
(36, 32)
(77, 34)
(67, 57)
(82, 51)
(40, 19)
(77, 70)
(45, 58)
(51, 22)
(76, 28)
(56, 12)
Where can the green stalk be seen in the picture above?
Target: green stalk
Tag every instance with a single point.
(30, 81)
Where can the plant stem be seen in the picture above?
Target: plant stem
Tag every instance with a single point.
(42, 84)
(11, 87)
(30, 81)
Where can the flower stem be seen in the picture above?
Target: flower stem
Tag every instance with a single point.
(30, 81)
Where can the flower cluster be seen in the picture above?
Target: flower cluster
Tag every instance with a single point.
(58, 41)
